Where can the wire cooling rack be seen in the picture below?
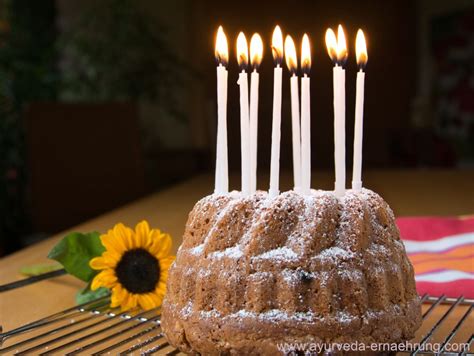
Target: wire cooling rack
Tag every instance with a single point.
(94, 328)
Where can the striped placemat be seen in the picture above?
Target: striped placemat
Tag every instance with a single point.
(442, 253)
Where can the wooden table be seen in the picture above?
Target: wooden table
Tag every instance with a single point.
(408, 193)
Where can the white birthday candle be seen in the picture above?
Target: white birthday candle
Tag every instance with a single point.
(242, 58)
(305, 117)
(256, 53)
(361, 54)
(221, 185)
(337, 51)
(292, 64)
(277, 50)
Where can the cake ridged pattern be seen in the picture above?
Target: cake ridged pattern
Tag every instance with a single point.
(312, 264)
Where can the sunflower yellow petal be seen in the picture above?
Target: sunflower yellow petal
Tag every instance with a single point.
(154, 298)
(108, 273)
(161, 244)
(164, 276)
(106, 279)
(101, 281)
(157, 298)
(134, 300)
(125, 302)
(146, 302)
(130, 302)
(166, 262)
(100, 263)
(111, 257)
(163, 279)
(161, 288)
(124, 234)
(96, 283)
(113, 244)
(132, 242)
(142, 233)
(118, 296)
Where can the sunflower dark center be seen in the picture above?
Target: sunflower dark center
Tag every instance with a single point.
(138, 271)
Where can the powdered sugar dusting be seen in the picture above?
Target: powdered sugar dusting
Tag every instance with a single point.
(187, 310)
(344, 317)
(277, 315)
(336, 253)
(231, 252)
(197, 250)
(273, 315)
(210, 314)
(281, 253)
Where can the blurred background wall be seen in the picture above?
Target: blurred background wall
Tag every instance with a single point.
(104, 102)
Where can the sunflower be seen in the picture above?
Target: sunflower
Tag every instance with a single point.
(134, 266)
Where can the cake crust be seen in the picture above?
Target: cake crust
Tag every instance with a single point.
(256, 273)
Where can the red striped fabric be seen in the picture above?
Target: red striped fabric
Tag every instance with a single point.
(442, 253)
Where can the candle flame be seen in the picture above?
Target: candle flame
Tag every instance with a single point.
(256, 51)
(331, 44)
(305, 54)
(342, 52)
(337, 47)
(222, 50)
(361, 49)
(277, 45)
(290, 54)
(242, 51)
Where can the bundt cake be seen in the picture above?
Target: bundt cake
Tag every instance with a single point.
(256, 274)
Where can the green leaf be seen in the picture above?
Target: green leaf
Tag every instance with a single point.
(75, 251)
(36, 270)
(86, 295)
